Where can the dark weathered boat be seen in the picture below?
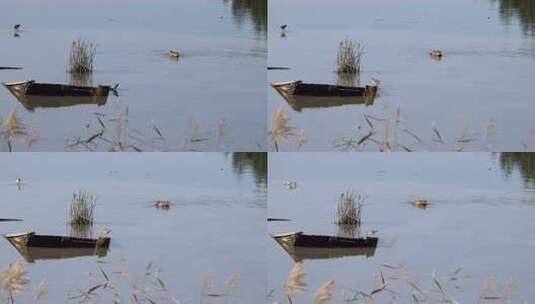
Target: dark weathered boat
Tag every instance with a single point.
(32, 88)
(9, 68)
(30, 239)
(299, 239)
(299, 88)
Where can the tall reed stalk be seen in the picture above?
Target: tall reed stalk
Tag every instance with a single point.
(82, 57)
(82, 209)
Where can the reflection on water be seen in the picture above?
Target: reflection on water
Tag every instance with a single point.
(521, 162)
(31, 103)
(523, 10)
(32, 254)
(246, 162)
(256, 10)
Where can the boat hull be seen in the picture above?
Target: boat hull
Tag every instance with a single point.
(299, 239)
(298, 88)
(31, 239)
(32, 88)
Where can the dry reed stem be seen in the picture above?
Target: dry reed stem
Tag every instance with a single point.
(323, 294)
(81, 57)
(349, 57)
(296, 280)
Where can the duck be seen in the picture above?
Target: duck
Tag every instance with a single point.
(420, 202)
(436, 54)
(284, 27)
(16, 27)
(162, 204)
(174, 54)
(18, 181)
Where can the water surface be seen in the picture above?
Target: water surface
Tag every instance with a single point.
(211, 99)
(479, 219)
(214, 198)
(478, 96)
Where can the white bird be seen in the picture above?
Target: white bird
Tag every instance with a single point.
(372, 232)
(18, 181)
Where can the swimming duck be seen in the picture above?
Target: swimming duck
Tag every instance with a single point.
(16, 27)
(420, 202)
(18, 181)
(436, 54)
(284, 27)
(162, 204)
(174, 54)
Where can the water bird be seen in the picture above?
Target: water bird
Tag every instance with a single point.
(16, 27)
(284, 27)
(18, 181)
(436, 54)
(420, 202)
(374, 82)
(290, 185)
(162, 204)
(174, 54)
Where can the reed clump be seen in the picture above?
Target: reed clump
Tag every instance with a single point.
(349, 56)
(82, 57)
(82, 209)
(349, 209)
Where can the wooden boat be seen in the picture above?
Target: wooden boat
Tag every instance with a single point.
(9, 68)
(299, 88)
(32, 88)
(299, 239)
(30, 239)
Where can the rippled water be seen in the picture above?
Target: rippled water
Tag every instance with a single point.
(194, 101)
(478, 96)
(215, 197)
(479, 219)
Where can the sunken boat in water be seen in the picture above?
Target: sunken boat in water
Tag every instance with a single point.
(299, 239)
(32, 88)
(310, 247)
(30, 239)
(301, 95)
(299, 88)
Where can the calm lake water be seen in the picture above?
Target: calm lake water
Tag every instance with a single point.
(480, 219)
(211, 99)
(215, 198)
(479, 96)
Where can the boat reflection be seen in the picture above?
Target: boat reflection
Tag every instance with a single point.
(32, 254)
(31, 103)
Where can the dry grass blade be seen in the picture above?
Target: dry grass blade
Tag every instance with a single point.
(447, 297)
(365, 138)
(323, 295)
(295, 281)
(437, 134)
(41, 290)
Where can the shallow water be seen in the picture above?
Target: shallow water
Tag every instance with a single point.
(214, 196)
(479, 93)
(214, 92)
(479, 219)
